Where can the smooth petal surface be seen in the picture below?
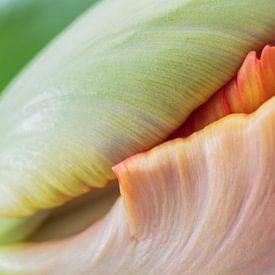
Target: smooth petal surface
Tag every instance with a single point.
(118, 82)
(27, 26)
(78, 214)
(200, 205)
(17, 229)
(64, 221)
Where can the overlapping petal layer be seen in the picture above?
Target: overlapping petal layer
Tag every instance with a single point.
(200, 205)
(17, 229)
(71, 218)
(77, 215)
(253, 85)
(118, 82)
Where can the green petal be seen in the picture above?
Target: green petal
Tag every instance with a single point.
(27, 26)
(118, 82)
(77, 215)
(18, 229)
(64, 221)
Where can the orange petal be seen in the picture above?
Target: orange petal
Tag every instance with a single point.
(200, 205)
(253, 85)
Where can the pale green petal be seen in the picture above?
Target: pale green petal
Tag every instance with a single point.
(17, 229)
(116, 83)
(71, 218)
(77, 215)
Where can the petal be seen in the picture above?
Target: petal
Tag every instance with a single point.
(18, 229)
(253, 85)
(64, 221)
(200, 205)
(116, 83)
(77, 215)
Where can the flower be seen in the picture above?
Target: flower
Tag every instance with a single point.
(121, 81)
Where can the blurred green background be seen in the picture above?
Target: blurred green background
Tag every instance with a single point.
(26, 26)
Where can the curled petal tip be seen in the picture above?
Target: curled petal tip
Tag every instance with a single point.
(253, 85)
